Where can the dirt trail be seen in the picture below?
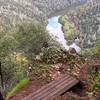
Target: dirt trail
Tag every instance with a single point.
(34, 84)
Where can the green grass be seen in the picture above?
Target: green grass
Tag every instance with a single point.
(18, 86)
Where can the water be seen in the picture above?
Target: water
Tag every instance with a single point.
(54, 28)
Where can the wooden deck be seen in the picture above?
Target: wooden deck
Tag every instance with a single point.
(53, 89)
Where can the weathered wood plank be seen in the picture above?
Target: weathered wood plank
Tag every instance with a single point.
(53, 89)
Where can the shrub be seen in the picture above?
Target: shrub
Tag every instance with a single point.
(13, 69)
(89, 52)
(41, 70)
(98, 49)
(51, 55)
(93, 79)
(31, 37)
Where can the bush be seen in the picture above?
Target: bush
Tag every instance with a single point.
(31, 37)
(27, 38)
(51, 55)
(55, 54)
(41, 70)
(13, 69)
(94, 81)
(89, 52)
(98, 49)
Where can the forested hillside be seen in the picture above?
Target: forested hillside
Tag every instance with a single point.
(82, 27)
(30, 57)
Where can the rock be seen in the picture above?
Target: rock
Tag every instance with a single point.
(72, 51)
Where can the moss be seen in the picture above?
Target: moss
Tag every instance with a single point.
(18, 86)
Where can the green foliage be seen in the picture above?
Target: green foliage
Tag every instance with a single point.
(18, 86)
(51, 55)
(41, 70)
(31, 37)
(83, 25)
(7, 70)
(93, 79)
(21, 62)
(89, 25)
(68, 28)
(18, 48)
(89, 52)
(98, 49)
(96, 84)
(8, 42)
(13, 69)
(26, 39)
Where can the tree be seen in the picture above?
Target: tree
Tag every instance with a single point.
(8, 44)
(85, 23)
(68, 27)
(89, 25)
(31, 37)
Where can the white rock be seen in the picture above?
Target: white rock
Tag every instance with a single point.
(76, 47)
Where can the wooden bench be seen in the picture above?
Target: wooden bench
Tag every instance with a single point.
(53, 89)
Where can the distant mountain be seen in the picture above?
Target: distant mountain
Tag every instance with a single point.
(12, 11)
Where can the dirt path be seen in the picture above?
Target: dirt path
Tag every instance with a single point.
(34, 84)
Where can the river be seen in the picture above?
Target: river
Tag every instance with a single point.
(54, 28)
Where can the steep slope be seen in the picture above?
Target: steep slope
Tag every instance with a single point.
(15, 10)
